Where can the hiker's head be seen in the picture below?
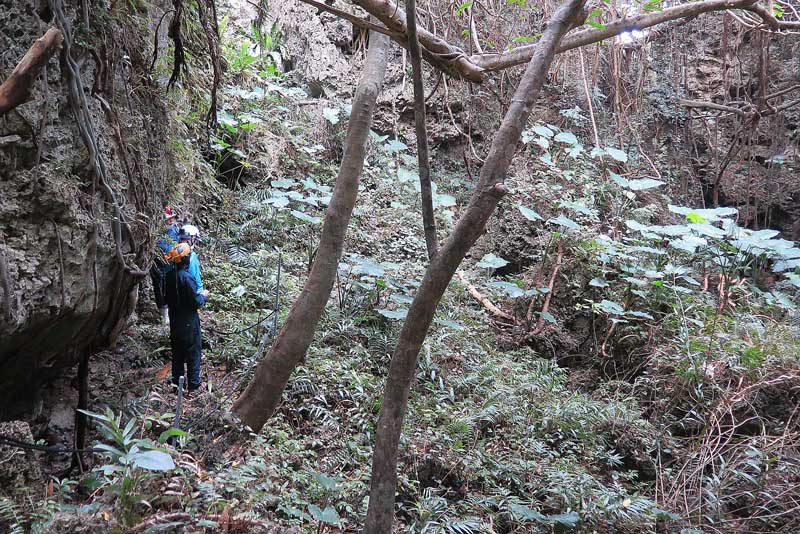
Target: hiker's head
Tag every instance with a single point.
(179, 255)
(169, 216)
(189, 234)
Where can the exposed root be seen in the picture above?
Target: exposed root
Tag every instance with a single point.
(540, 323)
(483, 300)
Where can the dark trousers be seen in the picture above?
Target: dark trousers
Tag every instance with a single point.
(186, 340)
(157, 276)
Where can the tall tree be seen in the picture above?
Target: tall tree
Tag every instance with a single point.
(426, 192)
(488, 192)
(259, 400)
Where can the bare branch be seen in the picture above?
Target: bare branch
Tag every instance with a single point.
(772, 21)
(523, 54)
(782, 92)
(448, 58)
(712, 105)
(356, 21)
(16, 90)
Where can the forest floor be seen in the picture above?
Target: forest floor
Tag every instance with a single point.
(651, 392)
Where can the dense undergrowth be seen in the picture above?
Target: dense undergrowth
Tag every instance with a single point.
(641, 377)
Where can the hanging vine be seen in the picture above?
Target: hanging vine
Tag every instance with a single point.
(80, 107)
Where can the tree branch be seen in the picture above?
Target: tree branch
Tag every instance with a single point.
(770, 20)
(523, 54)
(712, 105)
(448, 58)
(356, 21)
(16, 90)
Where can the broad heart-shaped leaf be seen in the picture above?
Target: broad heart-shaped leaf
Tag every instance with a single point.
(512, 290)
(283, 183)
(575, 150)
(689, 243)
(696, 218)
(619, 180)
(710, 215)
(549, 317)
(449, 324)
(597, 152)
(644, 183)
(328, 515)
(566, 138)
(543, 130)
(153, 461)
(278, 202)
(785, 265)
(407, 175)
(578, 208)
(569, 519)
(329, 483)
(225, 118)
(399, 298)
(490, 261)
(610, 307)
(331, 115)
(399, 313)
(529, 213)
(617, 154)
(527, 514)
(363, 266)
(395, 146)
(542, 142)
(707, 229)
(304, 217)
(443, 201)
(566, 222)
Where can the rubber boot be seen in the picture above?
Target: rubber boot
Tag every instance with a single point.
(165, 316)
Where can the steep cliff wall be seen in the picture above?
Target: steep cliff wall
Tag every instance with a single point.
(64, 288)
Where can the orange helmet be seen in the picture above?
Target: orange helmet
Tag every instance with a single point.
(178, 252)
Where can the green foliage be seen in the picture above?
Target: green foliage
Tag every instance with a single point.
(132, 462)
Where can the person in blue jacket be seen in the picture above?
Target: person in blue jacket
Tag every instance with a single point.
(191, 235)
(160, 266)
(184, 299)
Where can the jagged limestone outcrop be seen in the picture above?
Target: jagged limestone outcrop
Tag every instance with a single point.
(63, 287)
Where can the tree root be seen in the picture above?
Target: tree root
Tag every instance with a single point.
(483, 300)
(540, 324)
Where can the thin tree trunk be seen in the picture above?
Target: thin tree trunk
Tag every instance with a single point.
(428, 218)
(83, 404)
(263, 394)
(487, 194)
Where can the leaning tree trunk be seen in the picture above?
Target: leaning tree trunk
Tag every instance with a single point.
(488, 192)
(262, 395)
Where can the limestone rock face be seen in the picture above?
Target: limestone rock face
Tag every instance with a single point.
(63, 290)
(19, 468)
(318, 45)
